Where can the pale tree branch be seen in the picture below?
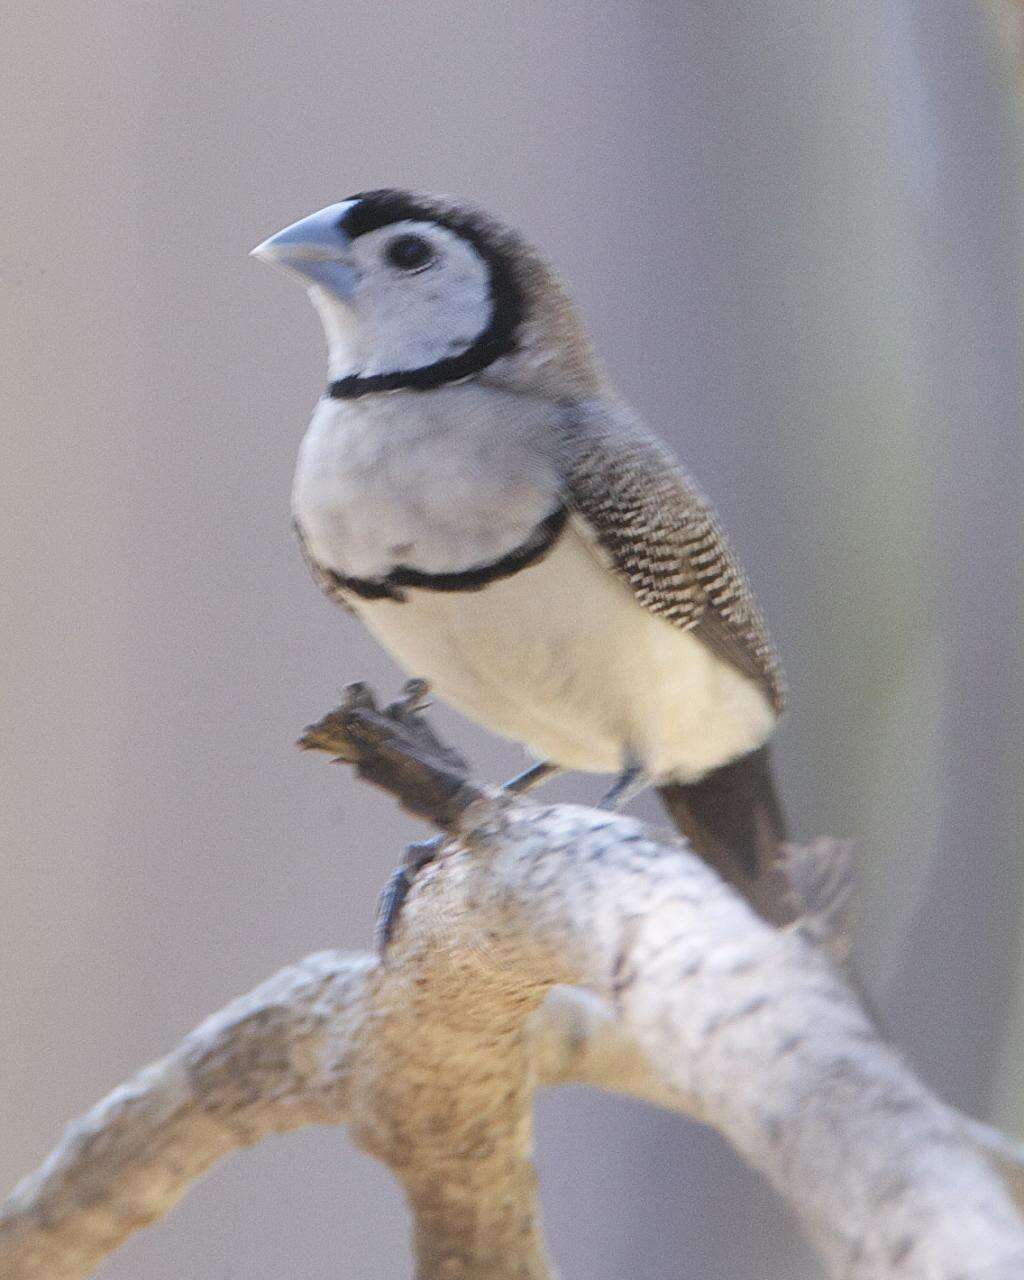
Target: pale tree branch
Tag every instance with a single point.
(546, 944)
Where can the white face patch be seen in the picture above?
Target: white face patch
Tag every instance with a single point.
(399, 320)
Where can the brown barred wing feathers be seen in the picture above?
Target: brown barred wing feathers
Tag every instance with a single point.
(663, 537)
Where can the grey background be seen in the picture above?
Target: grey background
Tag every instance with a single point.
(795, 231)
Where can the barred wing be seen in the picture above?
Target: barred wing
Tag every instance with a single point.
(663, 537)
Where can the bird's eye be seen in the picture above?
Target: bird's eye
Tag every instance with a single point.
(408, 253)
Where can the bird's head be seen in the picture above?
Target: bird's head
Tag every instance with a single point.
(422, 291)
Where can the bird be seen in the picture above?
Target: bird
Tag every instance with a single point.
(475, 490)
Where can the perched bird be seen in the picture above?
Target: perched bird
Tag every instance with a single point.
(472, 487)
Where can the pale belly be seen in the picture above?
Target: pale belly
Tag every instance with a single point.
(561, 658)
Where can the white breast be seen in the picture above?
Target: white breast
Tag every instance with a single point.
(562, 658)
(559, 656)
(439, 482)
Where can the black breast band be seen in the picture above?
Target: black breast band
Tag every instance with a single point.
(529, 552)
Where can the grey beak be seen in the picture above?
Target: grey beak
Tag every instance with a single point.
(316, 249)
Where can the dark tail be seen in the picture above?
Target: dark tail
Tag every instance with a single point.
(734, 820)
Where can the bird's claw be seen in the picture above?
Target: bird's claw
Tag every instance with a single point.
(395, 892)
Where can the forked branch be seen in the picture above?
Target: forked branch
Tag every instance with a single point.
(546, 944)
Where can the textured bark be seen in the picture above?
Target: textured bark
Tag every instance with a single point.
(432, 1054)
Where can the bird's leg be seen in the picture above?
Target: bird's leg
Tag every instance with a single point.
(532, 777)
(628, 785)
(395, 892)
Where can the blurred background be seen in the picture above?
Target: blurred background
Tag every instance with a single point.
(796, 232)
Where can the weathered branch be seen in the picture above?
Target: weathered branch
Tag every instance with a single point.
(432, 1054)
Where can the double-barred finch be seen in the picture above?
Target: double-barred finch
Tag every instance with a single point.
(474, 490)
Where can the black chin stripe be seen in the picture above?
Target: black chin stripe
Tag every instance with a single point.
(495, 245)
(527, 553)
(451, 369)
(497, 340)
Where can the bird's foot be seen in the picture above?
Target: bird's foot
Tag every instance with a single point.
(394, 747)
(530, 778)
(395, 892)
(627, 786)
